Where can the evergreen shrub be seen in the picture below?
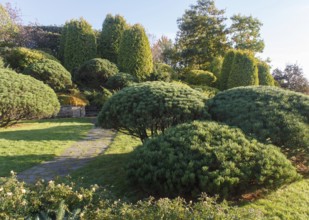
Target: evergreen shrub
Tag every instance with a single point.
(119, 81)
(265, 78)
(200, 77)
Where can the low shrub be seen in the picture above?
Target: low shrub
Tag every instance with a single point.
(153, 107)
(66, 99)
(119, 81)
(162, 72)
(270, 114)
(200, 77)
(23, 97)
(207, 157)
(208, 91)
(98, 98)
(20, 57)
(95, 72)
(51, 73)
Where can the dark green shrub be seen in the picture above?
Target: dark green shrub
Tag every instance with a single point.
(51, 73)
(2, 64)
(162, 72)
(23, 97)
(94, 73)
(20, 57)
(79, 43)
(244, 71)
(265, 78)
(119, 81)
(207, 157)
(98, 98)
(200, 77)
(207, 91)
(226, 69)
(110, 37)
(269, 114)
(153, 107)
(135, 55)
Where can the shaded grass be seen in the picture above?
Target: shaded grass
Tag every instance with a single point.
(108, 169)
(29, 143)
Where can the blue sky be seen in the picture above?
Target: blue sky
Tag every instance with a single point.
(285, 30)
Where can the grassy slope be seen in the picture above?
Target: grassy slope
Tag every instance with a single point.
(30, 143)
(290, 202)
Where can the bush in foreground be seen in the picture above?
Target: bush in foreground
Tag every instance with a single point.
(207, 157)
(23, 97)
(95, 72)
(51, 73)
(270, 114)
(153, 107)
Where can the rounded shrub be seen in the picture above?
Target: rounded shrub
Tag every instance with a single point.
(207, 157)
(200, 77)
(162, 72)
(51, 73)
(95, 72)
(244, 71)
(23, 97)
(98, 98)
(270, 114)
(265, 78)
(20, 57)
(119, 81)
(147, 109)
(207, 91)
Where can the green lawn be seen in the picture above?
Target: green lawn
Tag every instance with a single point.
(29, 143)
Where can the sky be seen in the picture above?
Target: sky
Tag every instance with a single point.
(285, 27)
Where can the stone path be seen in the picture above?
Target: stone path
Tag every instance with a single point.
(73, 158)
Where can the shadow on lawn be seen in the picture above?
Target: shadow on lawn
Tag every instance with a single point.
(21, 162)
(61, 133)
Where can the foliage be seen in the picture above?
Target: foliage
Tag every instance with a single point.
(207, 157)
(215, 67)
(67, 99)
(202, 34)
(29, 143)
(292, 78)
(161, 50)
(265, 78)
(162, 72)
(200, 77)
(245, 33)
(2, 64)
(207, 91)
(20, 58)
(135, 54)
(119, 81)
(23, 97)
(79, 43)
(151, 106)
(110, 37)
(95, 72)
(53, 200)
(98, 98)
(9, 29)
(270, 114)
(51, 73)
(244, 71)
(226, 69)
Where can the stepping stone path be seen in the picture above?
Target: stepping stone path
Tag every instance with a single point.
(73, 158)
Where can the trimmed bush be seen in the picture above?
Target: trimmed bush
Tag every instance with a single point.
(207, 91)
(207, 157)
(265, 78)
(200, 77)
(95, 72)
(244, 71)
(162, 72)
(23, 97)
(119, 81)
(110, 37)
(51, 73)
(153, 107)
(98, 98)
(79, 43)
(135, 55)
(226, 69)
(270, 114)
(20, 57)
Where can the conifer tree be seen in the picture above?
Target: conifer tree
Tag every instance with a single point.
(265, 78)
(226, 69)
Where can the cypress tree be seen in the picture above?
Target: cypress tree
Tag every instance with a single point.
(110, 37)
(265, 78)
(135, 55)
(226, 69)
(80, 43)
(244, 71)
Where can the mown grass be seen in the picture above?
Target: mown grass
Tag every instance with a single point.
(29, 143)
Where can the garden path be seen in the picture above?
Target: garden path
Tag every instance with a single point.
(73, 158)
